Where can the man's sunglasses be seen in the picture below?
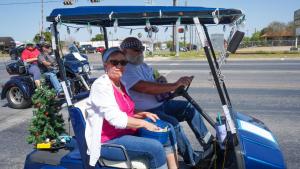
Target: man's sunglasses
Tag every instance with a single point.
(117, 62)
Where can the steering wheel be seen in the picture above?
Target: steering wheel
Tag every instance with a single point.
(180, 90)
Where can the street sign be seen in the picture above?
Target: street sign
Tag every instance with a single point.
(297, 18)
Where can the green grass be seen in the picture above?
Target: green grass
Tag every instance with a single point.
(182, 55)
(239, 55)
(3, 55)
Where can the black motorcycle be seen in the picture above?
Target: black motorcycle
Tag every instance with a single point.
(19, 89)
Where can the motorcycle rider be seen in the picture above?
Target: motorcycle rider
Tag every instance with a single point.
(49, 66)
(30, 56)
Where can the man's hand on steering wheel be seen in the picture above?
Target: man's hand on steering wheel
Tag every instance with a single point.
(184, 81)
(183, 85)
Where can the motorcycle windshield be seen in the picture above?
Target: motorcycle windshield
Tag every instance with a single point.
(73, 48)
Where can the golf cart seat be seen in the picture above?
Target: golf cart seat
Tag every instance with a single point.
(112, 155)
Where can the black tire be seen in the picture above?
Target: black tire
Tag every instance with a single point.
(15, 98)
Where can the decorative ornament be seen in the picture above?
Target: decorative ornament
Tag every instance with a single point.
(68, 30)
(216, 16)
(178, 22)
(110, 15)
(140, 35)
(148, 25)
(116, 25)
(101, 30)
(37, 105)
(186, 28)
(166, 29)
(180, 30)
(77, 30)
(89, 29)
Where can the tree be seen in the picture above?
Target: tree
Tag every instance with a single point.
(276, 27)
(256, 36)
(46, 123)
(47, 37)
(98, 37)
(291, 26)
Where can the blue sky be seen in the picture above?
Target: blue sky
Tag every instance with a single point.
(23, 21)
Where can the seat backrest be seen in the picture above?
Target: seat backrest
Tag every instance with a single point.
(78, 123)
(112, 156)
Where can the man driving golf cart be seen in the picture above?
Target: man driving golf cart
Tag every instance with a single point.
(142, 86)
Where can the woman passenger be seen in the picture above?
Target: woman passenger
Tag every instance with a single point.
(109, 100)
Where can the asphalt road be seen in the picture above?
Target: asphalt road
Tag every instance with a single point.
(267, 90)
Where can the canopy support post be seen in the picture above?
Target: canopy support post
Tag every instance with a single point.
(105, 37)
(56, 47)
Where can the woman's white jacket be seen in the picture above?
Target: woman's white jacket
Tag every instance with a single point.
(101, 104)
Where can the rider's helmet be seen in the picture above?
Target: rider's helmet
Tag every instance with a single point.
(30, 45)
(45, 45)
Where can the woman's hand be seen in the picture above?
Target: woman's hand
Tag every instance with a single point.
(142, 115)
(151, 127)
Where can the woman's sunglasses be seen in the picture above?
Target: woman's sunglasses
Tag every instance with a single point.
(117, 62)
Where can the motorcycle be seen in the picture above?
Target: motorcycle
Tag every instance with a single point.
(20, 87)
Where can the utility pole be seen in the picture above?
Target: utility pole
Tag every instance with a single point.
(42, 38)
(185, 28)
(42, 12)
(175, 3)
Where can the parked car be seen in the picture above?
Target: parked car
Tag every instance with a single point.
(183, 49)
(87, 49)
(100, 49)
(6, 43)
(192, 47)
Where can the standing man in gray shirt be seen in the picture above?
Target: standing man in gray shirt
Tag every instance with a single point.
(49, 66)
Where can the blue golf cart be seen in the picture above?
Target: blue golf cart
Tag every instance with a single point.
(248, 144)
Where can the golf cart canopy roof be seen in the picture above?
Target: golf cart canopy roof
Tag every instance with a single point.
(136, 15)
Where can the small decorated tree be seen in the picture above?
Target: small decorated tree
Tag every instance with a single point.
(46, 124)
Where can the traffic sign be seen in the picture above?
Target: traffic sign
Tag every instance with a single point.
(297, 18)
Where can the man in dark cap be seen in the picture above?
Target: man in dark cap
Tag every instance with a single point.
(143, 88)
(49, 66)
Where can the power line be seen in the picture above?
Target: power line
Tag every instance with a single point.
(27, 3)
